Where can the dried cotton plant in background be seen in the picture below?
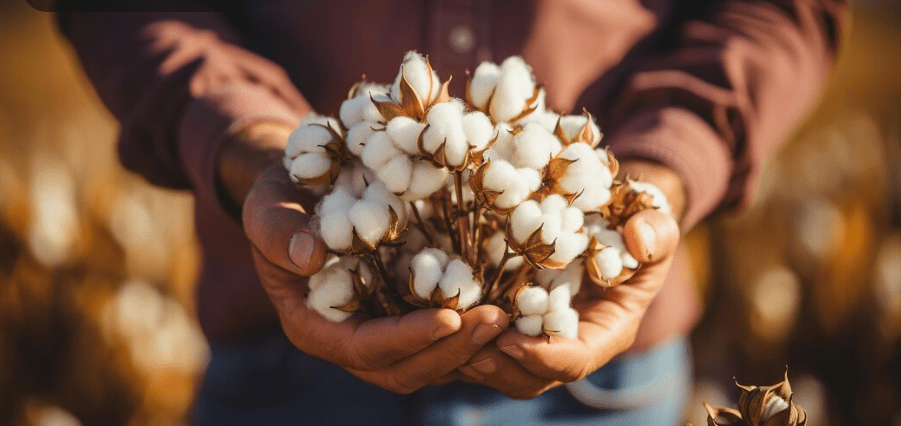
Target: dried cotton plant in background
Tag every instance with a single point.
(435, 201)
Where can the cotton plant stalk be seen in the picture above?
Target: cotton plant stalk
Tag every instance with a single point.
(429, 200)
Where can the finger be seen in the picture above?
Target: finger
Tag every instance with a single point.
(480, 325)
(505, 375)
(651, 235)
(380, 342)
(277, 224)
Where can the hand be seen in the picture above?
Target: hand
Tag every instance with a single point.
(400, 354)
(524, 366)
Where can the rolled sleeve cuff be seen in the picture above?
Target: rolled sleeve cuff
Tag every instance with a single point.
(210, 120)
(681, 140)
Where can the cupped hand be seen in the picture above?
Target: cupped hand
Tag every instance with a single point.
(400, 353)
(524, 367)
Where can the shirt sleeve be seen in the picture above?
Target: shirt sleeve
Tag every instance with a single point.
(180, 84)
(722, 94)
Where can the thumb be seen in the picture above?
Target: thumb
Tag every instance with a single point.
(277, 224)
(651, 236)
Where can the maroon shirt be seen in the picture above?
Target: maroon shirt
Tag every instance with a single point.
(708, 91)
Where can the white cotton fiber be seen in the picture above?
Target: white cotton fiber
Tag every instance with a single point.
(333, 288)
(534, 147)
(564, 323)
(478, 129)
(351, 110)
(404, 131)
(425, 180)
(354, 178)
(525, 219)
(532, 301)
(357, 136)
(503, 148)
(482, 85)
(531, 325)
(514, 86)
(336, 230)
(311, 165)
(396, 174)
(570, 276)
(553, 204)
(609, 261)
(559, 298)
(515, 185)
(568, 246)
(550, 227)
(659, 201)
(370, 220)
(379, 194)
(445, 126)
(573, 219)
(417, 74)
(458, 278)
(428, 268)
(379, 150)
(547, 119)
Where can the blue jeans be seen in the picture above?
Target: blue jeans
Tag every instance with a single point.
(270, 382)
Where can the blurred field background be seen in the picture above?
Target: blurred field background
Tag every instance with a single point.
(97, 267)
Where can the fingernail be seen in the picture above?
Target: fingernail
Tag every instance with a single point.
(300, 249)
(649, 236)
(485, 366)
(443, 331)
(484, 333)
(513, 351)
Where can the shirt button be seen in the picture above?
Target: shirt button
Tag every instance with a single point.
(462, 39)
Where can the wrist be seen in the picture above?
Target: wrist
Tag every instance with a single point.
(244, 157)
(661, 176)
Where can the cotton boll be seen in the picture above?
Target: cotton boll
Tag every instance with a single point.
(351, 110)
(377, 192)
(591, 198)
(503, 148)
(547, 119)
(336, 230)
(564, 323)
(312, 134)
(458, 278)
(495, 247)
(357, 136)
(534, 147)
(428, 268)
(379, 150)
(532, 325)
(311, 165)
(445, 122)
(482, 84)
(334, 288)
(559, 298)
(525, 219)
(515, 185)
(532, 301)
(478, 129)
(514, 86)
(550, 228)
(370, 220)
(572, 219)
(396, 174)
(317, 279)
(659, 201)
(609, 261)
(425, 180)
(572, 125)
(553, 204)
(571, 276)
(354, 178)
(568, 246)
(628, 260)
(405, 131)
(418, 74)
